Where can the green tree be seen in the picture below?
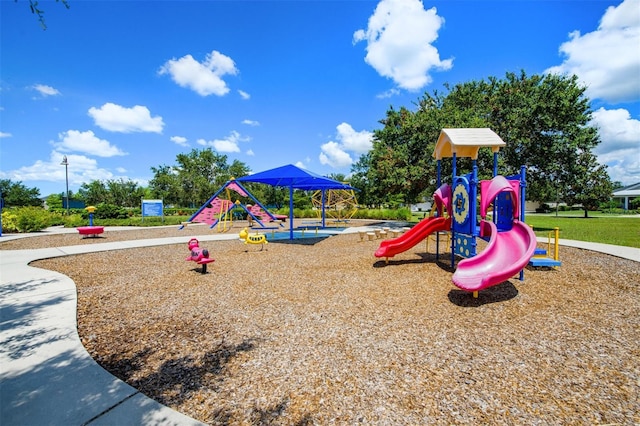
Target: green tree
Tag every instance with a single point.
(590, 185)
(54, 201)
(15, 194)
(269, 195)
(165, 185)
(340, 177)
(195, 178)
(94, 193)
(124, 193)
(360, 180)
(238, 169)
(542, 118)
(617, 185)
(200, 174)
(398, 164)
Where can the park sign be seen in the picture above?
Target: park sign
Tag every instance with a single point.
(152, 208)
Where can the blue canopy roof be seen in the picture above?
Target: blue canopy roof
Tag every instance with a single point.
(294, 178)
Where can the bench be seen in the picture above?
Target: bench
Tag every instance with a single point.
(90, 231)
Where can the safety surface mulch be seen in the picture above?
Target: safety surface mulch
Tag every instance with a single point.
(321, 332)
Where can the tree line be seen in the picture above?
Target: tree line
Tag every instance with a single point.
(544, 120)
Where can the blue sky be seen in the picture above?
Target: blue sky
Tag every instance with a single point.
(122, 86)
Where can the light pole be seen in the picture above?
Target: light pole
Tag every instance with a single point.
(65, 163)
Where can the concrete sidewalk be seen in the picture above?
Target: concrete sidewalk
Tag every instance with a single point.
(47, 376)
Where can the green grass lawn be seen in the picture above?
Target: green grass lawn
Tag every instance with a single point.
(617, 230)
(597, 228)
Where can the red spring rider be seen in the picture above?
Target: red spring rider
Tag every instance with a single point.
(199, 255)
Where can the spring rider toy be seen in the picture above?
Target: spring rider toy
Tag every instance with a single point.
(198, 255)
(253, 238)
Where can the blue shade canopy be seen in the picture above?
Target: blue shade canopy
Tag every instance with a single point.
(294, 178)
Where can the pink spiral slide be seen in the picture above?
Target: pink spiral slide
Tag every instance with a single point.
(507, 253)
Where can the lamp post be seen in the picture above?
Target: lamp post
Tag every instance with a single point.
(65, 163)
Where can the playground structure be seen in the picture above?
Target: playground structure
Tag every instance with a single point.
(219, 211)
(339, 204)
(293, 177)
(265, 216)
(90, 231)
(198, 255)
(424, 228)
(511, 243)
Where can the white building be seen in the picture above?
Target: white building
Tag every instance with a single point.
(626, 194)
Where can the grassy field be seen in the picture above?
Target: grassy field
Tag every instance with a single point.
(597, 228)
(617, 230)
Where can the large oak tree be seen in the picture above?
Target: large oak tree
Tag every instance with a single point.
(542, 118)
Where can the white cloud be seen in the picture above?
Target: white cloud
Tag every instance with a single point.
(86, 142)
(116, 118)
(251, 123)
(358, 142)
(620, 146)
(617, 130)
(250, 153)
(179, 140)
(45, 90)
(244, 95)
(603, 59)
(399, 40)
(229, 144)
(5, 135)
(335, 154)
(81, 169)
(300, 164)
(388, 94)
(204, 78)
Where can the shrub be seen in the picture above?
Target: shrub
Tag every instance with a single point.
(108, 211)
(9, 220)
(25, 219)
(75, 220)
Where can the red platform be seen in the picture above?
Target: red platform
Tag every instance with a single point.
(91, 231)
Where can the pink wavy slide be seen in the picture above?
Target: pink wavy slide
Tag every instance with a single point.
(420, 231)
(506, 254)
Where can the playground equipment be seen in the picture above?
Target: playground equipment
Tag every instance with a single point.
(423, 229)
(257, 211)
(511, 245)
(339, 204)
(218, 210)
(542, 258)
(253, 238)
(511, 242)
(90, 231)
(198, 255)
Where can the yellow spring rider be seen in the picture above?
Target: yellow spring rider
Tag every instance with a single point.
(253, 238)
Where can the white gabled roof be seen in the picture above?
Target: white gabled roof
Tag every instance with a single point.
(466, 142)
(628, 191)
